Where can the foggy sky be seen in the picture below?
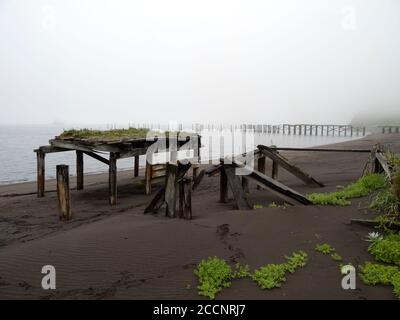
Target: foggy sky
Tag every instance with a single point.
(97, 61)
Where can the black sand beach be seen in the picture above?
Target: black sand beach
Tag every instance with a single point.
(118, 252)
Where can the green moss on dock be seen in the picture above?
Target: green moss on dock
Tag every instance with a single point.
(104, 134)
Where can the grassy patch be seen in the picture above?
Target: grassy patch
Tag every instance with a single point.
(105, 134)
(324, 248)
(387, 250)
(214, 274)
(336, 257)
(272, 275)
(362, 187)
(373, 274)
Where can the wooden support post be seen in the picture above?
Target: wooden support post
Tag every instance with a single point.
(136, 167)
(260, 167)
(112, 179)
(147, 177)
(40, 173)
(63, 192)
(238, 194)
(363, 131)
(185, 198)
(170, 190)
(79, 170)
(223, 186)
(195, 171)
(275, 166)
(245, 184)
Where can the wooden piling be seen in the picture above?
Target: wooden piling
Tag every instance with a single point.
(136, 166)
(40, 173)
(185, 198)
(147, 177)
(79, 170)
(170, 190)
(112, 179)
(260, 167)
(63, 192)
(223, 186)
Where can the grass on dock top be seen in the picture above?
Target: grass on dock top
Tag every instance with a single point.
(104, 134)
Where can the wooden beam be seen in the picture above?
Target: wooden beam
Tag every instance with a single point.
(320, 149)
(40, 173)
(383, 164)
(278, 188)
(275, 167)
(97, 157)
(284, 163)
(236, 187)
(185, 199)
(198, 179)
(79, 170)
(112, 179)
(63, 193)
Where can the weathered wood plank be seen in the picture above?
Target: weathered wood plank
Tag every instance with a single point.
(198, 179)
(223, 186)
(383, 163)
(236, 187)
(185, 199)
(171, 190)
(112, 179)
(40, 174)
(63, 192)
(278, 188)
(284, 163)
(136, 166)
(79, 170)
(147, 177)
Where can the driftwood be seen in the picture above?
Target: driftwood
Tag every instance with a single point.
(63, 193)
(270, 153)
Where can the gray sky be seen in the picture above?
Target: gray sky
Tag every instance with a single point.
(96, 61)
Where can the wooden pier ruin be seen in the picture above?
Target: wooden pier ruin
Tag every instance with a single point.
(109, 152)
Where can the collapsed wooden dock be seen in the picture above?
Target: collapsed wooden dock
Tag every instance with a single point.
(109, 151)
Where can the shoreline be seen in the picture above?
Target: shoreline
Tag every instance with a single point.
(117, 252)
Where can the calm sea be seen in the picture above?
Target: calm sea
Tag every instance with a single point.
(18, 161)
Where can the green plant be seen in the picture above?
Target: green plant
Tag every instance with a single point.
(324, 248)
(362, 187)
(270, 276)
(387, 250)
(258, 206)
(295, 261)
(396, 285)
(241, 271)
(336, 257)
(374, 237)
(214, 274)
(373, 274)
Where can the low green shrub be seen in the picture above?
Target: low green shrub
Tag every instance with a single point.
(324, 248)
(362, 187)
(387, 250)
(214, 274)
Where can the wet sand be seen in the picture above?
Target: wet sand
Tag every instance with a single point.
(118, 252)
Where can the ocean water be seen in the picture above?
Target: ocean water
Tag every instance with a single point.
(18, 161)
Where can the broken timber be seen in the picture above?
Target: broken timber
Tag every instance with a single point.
(278, 159)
